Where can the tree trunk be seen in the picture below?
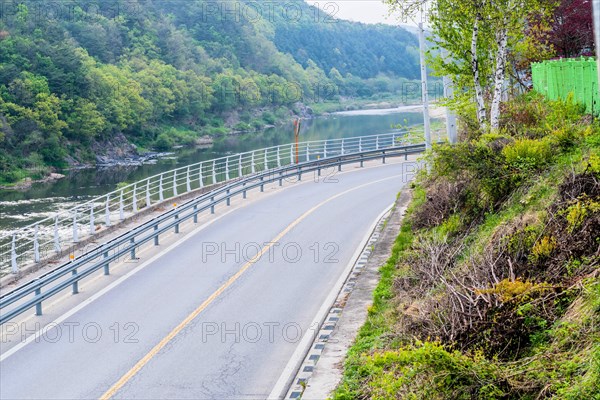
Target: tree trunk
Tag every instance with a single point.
(499, 76)
(481, 111)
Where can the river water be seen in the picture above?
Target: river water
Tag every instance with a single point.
(20, 208)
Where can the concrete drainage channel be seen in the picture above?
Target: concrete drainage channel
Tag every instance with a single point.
(327, 336)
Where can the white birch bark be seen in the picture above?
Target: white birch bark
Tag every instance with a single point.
(499, 76)
(481, 111)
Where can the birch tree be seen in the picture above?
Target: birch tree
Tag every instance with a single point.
(478, 36)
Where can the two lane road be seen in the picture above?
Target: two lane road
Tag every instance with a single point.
(221, 314)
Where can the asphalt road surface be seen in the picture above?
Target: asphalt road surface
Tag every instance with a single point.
(220, 315)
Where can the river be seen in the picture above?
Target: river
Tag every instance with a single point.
(20, 208)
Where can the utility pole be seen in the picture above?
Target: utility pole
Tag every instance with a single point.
(424, 88)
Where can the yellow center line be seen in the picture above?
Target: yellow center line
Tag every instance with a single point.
(156, 349)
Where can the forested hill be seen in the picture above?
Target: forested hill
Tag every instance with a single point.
(76, 76)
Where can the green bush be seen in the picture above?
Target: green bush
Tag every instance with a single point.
(528, 154)
(163, 142)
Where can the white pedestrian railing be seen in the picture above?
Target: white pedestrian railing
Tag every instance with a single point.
(51, 236)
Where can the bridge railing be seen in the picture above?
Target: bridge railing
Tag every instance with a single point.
(50, 237)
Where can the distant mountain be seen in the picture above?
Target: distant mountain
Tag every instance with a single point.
(76, 76)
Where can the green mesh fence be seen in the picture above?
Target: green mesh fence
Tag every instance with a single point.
(556, 79)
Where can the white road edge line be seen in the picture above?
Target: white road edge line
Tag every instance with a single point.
(289, 372)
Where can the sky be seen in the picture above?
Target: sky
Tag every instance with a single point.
(368, 11)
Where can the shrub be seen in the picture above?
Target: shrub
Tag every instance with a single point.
(163, 142)
(528, 154)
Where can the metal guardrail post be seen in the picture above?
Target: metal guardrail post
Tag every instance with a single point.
(214, 172)
(107, 211)
(240, 167)
(148, 200)
(38, 305)
(280, 178)
(266, 160)
(188, 182)
(278, 158)
(360, 146)
(161, 195)
(121, 207)
(212, 207)
(36, 245)
(200, 180)
(383, 158)
(195, 213)
(307, 152)
(175, 184)
(228, 198)
(156, 239)
(343, 146)
(325, 150)
(75, 230)
(134, 199)
(132, 242)
(76, 283)
(253, 165)
(106, 264)
(377, 143)
(13, 255)
(226, 168)
(292, 154)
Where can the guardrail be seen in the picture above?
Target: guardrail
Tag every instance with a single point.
(71, 273)
(49, 237)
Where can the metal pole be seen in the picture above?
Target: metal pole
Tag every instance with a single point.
(161, 195)
(266, 160)
(278, 158)
(200, 180)
(424, 87)
(107, 211)
(188, 182)
(253, 164)
(148, 202)
(134, 199)
(121, 207)
(174, 183)
(226, 168)
(214, 172)
(240, 167)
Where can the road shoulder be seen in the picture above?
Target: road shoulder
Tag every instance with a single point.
(322, 368)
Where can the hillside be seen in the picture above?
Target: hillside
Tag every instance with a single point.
(76, 81)
(493, 287)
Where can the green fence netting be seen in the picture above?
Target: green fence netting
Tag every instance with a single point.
(556, 79)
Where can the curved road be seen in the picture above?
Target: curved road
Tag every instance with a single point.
(220, 315)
